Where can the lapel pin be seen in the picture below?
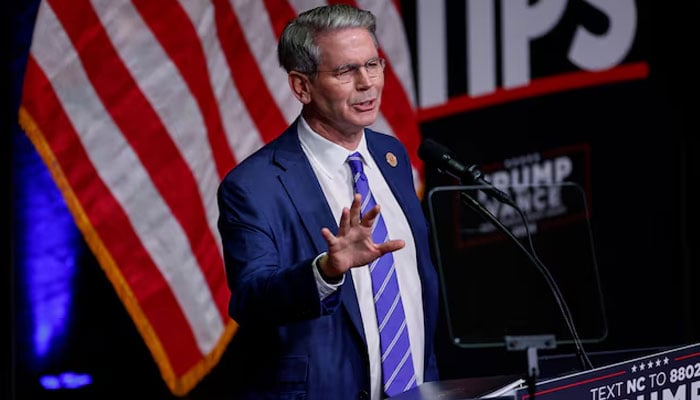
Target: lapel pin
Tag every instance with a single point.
(391, 159)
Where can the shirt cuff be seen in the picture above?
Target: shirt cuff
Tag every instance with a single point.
(325, 289)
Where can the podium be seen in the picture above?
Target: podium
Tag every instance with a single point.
(668, 375)
(672, 374)
(458, 389)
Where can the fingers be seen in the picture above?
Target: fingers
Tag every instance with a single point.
(353, 244)
(368, 218)
(345, 222)
(355, 208)
(327, 235)
(356, 213)
(391, 245)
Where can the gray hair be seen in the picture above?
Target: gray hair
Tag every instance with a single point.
(297, 49)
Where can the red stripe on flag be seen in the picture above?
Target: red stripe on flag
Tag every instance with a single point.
(245, 73)
(136, 278)
(185, 50)
(280, 13)
(398, 112)
(134, 115)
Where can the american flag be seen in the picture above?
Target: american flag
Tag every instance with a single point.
(138, 109)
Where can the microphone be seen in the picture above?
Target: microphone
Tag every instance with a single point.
(444, 159)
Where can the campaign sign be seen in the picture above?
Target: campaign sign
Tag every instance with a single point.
(669, 375)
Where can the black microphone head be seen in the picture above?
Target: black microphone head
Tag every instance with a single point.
(441, 157)
(431, 151)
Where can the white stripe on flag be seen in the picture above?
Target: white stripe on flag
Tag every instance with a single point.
(303, 5)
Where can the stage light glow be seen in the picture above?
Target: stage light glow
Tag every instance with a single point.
(65, 380)
(48, 246)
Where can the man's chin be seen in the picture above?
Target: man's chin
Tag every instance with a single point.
(366, 119)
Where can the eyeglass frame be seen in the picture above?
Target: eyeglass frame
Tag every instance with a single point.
(350, 70)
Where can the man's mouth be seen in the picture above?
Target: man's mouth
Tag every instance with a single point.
(365, 105)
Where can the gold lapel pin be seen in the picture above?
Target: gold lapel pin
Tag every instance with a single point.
(391, 159)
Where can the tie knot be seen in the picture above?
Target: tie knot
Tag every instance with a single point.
(355, 161)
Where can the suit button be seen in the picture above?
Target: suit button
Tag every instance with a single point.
(363, 395)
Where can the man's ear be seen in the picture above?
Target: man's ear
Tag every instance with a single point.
(300, 85)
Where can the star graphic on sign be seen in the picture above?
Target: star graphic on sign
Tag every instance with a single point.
(650, 364)
(641, 366)
(658, 362)
(665, 360)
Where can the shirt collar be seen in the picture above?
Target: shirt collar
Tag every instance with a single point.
(328, 155)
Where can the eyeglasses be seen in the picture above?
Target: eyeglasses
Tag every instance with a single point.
(346, 73)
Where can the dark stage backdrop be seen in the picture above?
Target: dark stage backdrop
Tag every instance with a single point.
(597, 96)
(601, 94)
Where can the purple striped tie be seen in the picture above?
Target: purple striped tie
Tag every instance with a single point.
(397, 363)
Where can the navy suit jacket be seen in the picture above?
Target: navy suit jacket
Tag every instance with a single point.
(290, 344)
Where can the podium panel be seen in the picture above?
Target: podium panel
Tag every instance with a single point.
(668, 375)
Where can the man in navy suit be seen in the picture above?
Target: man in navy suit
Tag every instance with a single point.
(296, 245)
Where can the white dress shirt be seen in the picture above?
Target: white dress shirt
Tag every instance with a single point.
(328, 161)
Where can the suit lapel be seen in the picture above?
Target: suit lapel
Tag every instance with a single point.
(381, 153)
(306, 194)
(303, 189)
